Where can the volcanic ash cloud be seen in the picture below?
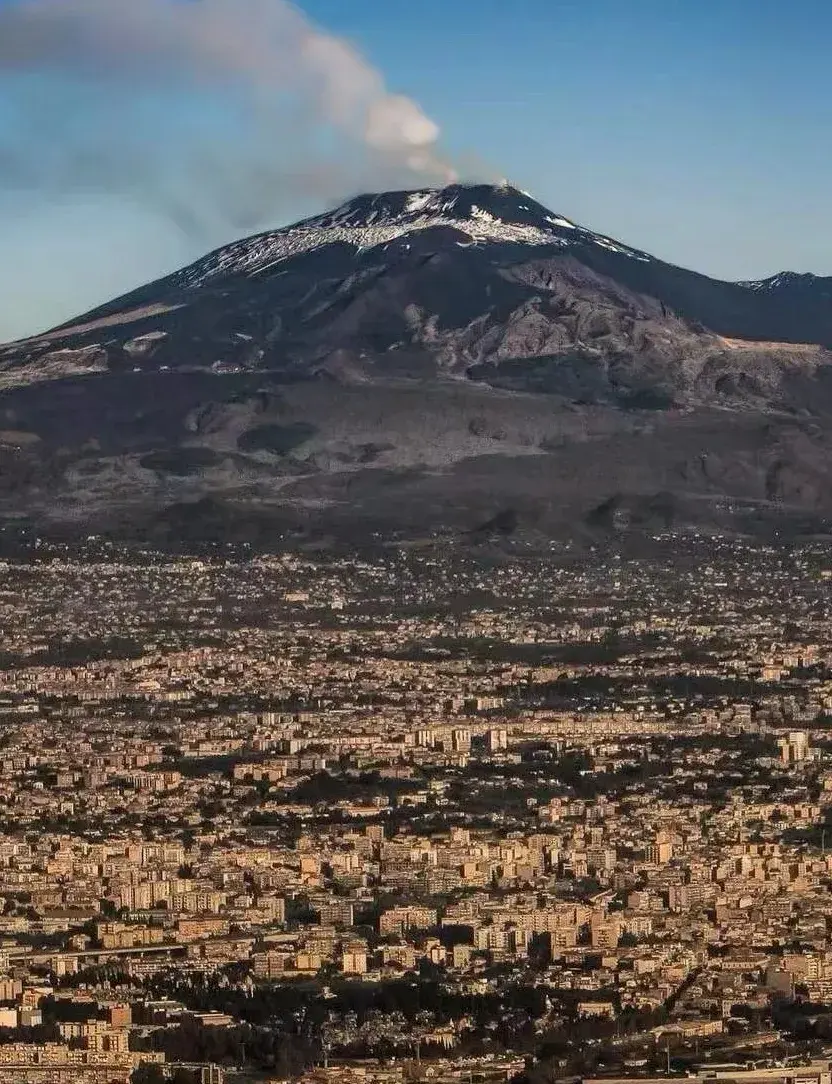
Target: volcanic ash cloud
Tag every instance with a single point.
(316, 119)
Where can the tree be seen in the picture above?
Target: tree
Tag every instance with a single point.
(148, 1073)
(183, 1076)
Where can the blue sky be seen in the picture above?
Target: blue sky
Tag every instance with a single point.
(696, 129)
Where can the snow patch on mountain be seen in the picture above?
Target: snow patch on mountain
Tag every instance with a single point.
(483, 215)
(420, 201)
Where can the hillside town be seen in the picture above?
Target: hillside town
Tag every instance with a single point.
(425, 814)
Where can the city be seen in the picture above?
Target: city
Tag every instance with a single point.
(425, 814)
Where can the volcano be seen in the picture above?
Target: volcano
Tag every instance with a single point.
(457, 361)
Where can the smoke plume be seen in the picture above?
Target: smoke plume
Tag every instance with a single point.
(219, 114)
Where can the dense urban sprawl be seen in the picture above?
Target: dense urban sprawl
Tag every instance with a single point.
(421, 815)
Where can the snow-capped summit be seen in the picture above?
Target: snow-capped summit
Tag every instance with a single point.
(459, 202)
(480, 213)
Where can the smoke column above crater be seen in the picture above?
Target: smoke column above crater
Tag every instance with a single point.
(315, 119)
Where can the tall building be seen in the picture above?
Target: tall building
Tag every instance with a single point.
(496, 740)
(661, 851)
(794, 748)
(461, 740)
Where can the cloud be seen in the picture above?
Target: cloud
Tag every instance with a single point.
(295, 112)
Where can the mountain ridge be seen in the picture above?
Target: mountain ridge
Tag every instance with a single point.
(450, 357)
(374, 219)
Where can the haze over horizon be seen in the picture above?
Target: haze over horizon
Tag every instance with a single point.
(691, 134)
